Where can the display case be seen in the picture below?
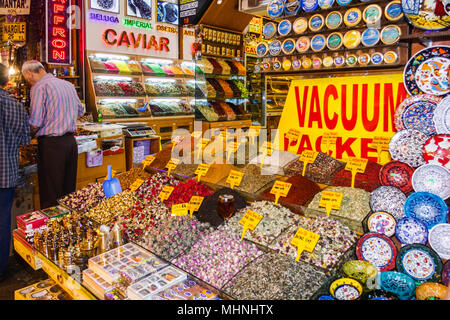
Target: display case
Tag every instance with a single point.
(255, 85)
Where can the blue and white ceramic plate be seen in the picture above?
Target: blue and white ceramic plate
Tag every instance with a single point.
(318, 42)
(261, 49)
(393, 11)
(419, 262)
(388, 199)
(269, 30)
(406, 146)
(432, 178)
(411, 230)
(325, 4)
(439, 238)
(275, 8)
(284, 27)
(275, 47)
(310, 5)
(370, 37)
(427, 207)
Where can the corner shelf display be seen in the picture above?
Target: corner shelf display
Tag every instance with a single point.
(359, 35)
(125, 86)
(255, 84)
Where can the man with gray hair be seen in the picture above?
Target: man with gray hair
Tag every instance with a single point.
(55, 107)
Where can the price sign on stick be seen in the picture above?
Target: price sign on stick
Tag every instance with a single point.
(292, 135)
(329, 138)
(356, 165)
(172, 164)
(202, 143)
(234, 178)
(308, 156)
(280, 189)
(232, 147)
(180, 209)
(165, 193)
(136, 184)
(249, 221)
(176, 140)
(148, 161)
(331, 200)
(304, 240)
(194, 204)
(380, 144)
(266, 149)
(253, 132)
(202, 170)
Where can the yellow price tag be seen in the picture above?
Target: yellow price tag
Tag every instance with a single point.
(331, 200)
(304, 240)
(249, 221)
(148, 161)
(202, 170)
(356, 165)
(280, 189)
(308, 156)
(195, 203)
(329, 138)
(234, 178)
(165, 193)
(380, 144)
(293, 135)
(136, 184)
(180, 209)
(203, 143)
(172, 164)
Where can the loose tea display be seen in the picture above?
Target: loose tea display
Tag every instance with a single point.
(106, 211)
(253, 181)
(275, 277)
(184, 191)
(274, 163)
(84, 199)
(369, 180)
(127, 178)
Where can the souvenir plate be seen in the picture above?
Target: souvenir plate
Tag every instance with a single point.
(275, 47)
(288, 46)
(328, 61)
(393, 11)
(343, 2)
(439, 238)
(287, 65)
(300, 25)
(346, 289)
(390, 34)
(318, 42)
(269, 30)
(306, 63)
(427, 207)
(352, 17)
(296, 64)
(428, 72)
(446, 273)
(382, 222)
(333, 20)
(261, 49)
(377, 249)
(339, 61)
(359, 270)
(437, 150)
(316, 22)
(402, 285)
(411, 230)
(377, 58)
(364, 59)
(291, 7)
(326, 4)
(303, 44)
(388, 199)
(370, 37)
(419, 262)
(352, 39)
(397, 174)
(266, 66)
(275, 8)
(310, 5)
(406, 146)
(417, 112)
(317, 63)
(372, 14)
(284, 27)
(425, 16)
(432, 178)
(441, 116)
(390, 57)
(276, 65)
(351, 60)
(334, 41)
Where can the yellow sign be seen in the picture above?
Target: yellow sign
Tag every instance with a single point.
(148, 161)
(356, 108)
(165, 193)
(172, 164)
(356, 165)
(331, 200)
(308, 156)
(14, 31)
(195, 203)
(280, 189)
(380, 144)
(234, 178)
(304, 240)
(136, 184)
(249, 221)
(202, 170)
(180, 209)
(329, 138)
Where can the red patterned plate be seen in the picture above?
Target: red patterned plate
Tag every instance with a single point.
(436, 150)
(377, 249)
(397, 174)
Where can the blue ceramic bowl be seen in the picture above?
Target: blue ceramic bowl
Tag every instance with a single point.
(427, 207)
(400, 284)
(411, 230)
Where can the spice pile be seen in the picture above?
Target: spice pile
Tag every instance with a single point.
(253, 181)
(84, 199)
(127, 178)
(369, 180)
(184, 191)
(107, 210)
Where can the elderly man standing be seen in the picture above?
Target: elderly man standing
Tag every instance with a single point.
(55, 107)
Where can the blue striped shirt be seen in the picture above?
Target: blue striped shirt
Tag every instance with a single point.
(55, 106)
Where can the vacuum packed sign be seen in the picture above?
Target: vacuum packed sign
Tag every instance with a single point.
(354, 110)
(15, 7)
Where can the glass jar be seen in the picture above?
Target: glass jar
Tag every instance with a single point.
(226, 206)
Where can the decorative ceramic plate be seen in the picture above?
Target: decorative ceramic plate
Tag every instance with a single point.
(339, 61)
(417, 112)
(411, 230)
(316, 22)
(306, 63)
(445, 276)
(317, 63)
(393, 11)
(382, 223)
(284, 27)
(402, 285)
(351, 60)
(310, 5)
(334, 41)
(326, 4)
(261, 49)
(288, 46)
(370, 37)
(426, 16)
(352, 39)
(327, 61)
(352, 17)
(333, 20)
(377, 58)
(427, 207)
(275, 47)
(276, 65)
(390, 34)
(359, 270)
(346, 289)
(437, 150)
(388, 199)
(364, 59)
(303, 44)
(419, 262)
(275, 8)
(432, 178)
(390, 57)
(296, 64)
(372, 14)
(397, 174)
(439, 238)
(377, 249)
(428, 71)
(318, 42)
(291, 7)
(269, 30)
(406, 146)
(300, 25)
(441, 117)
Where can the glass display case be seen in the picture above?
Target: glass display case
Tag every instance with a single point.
(255, 85)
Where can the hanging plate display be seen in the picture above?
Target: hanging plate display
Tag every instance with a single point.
(416, 112)
(372, 14)
(441, 116)
(317, 63)
(261, 49)
(333, 20)
(284, 27)
(296, 64)
(334, 41)
(306, 63)
(428, 72)
(411, 230)
(446, 273)
(352, 17)
(302, 44)
(310, 5)
(436, 150)
(288, 46)
(352, 39)
(377, 249)
(432, 178)
(419, 262)
(316, 22)
(377, 58)
(351, 60)
(291, 7)
(287, 65)
(370, 37)
(406, 146)
(390, 57)
(397, 174)
(427, 16)
(427, 207)
(364, 59)
(318, 42)
(346, 289)
(275, 8)
(390, 34)
(328, 61)
(393, 11)
(275, 47)
(382, 222)
(339, 61)
(400, 284)
(269, 30)
(343, 2)
(300, 25)
(388, 199)
(439, 239)
(325, 4)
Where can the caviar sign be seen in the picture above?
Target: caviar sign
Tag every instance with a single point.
(15, 7)
(59, 35)
(358, 109)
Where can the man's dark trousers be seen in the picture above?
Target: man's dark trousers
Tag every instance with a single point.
(6, 200)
